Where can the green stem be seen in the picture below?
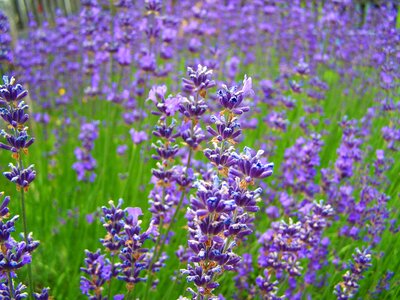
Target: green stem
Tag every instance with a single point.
(161, 245)
(155, 255)
(177, 210)
(26, 239)
(10, 284)
(132, 160)
(23, 212)
(112, 270)
(131, 293)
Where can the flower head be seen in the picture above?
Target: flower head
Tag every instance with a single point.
(232, 98)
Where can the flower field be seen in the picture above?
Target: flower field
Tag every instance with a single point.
(241, 149)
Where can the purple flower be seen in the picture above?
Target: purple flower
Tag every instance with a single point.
(43, 295)
(14, 254)
(90, 218)
(200, 80)
(134, 213)
(349, 286)
(18, 143)
(172, 104)
(157, 94)
(121, 149)
(22, 178)
(6, 51)
(226, 129)
(10, 92)
(249, 166)
(138, 136)
(232, 98)
(16, 117)
(18, 293)
(86, 164)
(97, 268)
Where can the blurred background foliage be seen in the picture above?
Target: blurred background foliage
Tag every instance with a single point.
(44, 10)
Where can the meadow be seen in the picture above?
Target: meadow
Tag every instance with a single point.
(250, 150)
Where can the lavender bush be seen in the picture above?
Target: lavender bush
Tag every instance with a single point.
(255, 144)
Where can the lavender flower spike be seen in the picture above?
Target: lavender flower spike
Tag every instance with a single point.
(249, 166)
(10, 92)
(349, 286)
(232, 98)
(199, 81)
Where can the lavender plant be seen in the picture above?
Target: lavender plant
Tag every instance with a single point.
(6, 53)
(124, 257)
(221, 214)
(14, 256)
(348, 287)
(322, 104)
(17, 141)
(86, 164)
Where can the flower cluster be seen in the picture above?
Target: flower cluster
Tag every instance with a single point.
(167, 150)
(286, 244)
(349, 151)
(92, 57)
(313, 62)
(86, 164)
(17, 140)
(199, 81)
(125, 258)
(350, 284)
(299, 168)
(6, 55)
(14, 255)
(172, 180)
(220, 215)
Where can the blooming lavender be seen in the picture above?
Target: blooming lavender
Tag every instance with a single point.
(313, 62)
(244, 269)
(86, 164)
(199, 81)
(191, 108)
(166, 149)
(220, 215)
(348, 288)
(90, 18)
(125, 258)
(349, 151)
(17, 141)
(98, 270)
(6, 53)
(14, 255)
(300, 166)
(287, 244)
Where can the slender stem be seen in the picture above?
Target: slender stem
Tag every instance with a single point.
(161, 245)
(177, 210)
(131, 293)
(26, 239)
(155, 254)
(23, 211)
(10, 285)
(112, 271)
(132, 160)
